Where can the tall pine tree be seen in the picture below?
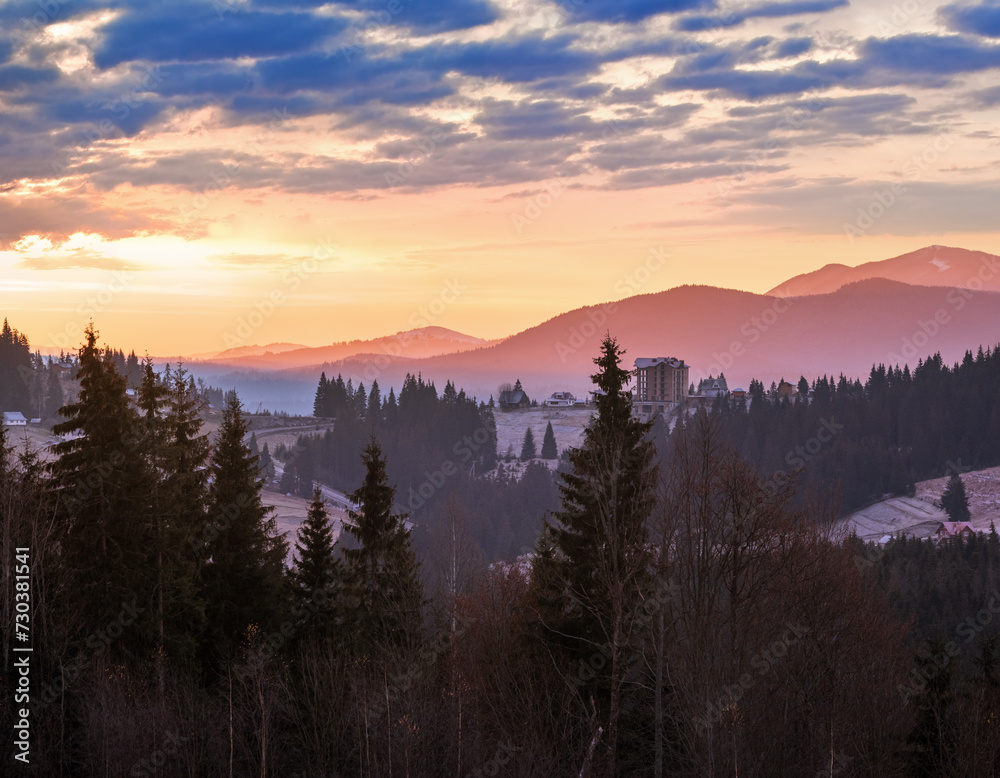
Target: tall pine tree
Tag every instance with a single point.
(954, 499)
(104, 486)
(382, 571)
(528, 450)
(549, 450)
(184, 493)
(595, 558)
(315, 572)
(243, 551)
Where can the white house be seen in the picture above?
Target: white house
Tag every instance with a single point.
(560, 400)
(14, 419)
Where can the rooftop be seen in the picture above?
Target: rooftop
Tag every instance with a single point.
(644, 362)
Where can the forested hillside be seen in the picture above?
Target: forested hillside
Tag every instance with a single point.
(877, 438)
(683, 613)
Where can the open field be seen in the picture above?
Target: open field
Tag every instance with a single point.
(38, 439)
(568, 425)
(291, 511)
(918, 516)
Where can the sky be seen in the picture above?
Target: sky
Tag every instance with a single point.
(194, 176)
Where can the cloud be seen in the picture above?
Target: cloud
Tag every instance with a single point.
(508, 104)
(433, 17)
(533, 119)
(617, 11)
(419, 16)
(976, 19)
(793, 47)
(929, 54)
(904, 60)
(57, 217)
(672, 176)
(14, 77)
(255, 260)
(825, 206)
(194, 32)
(75, 261)
(987, 98)
(767, 10)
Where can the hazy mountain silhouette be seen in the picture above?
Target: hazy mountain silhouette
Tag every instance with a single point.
(745, 335)
(930, 266)
(835, 320)
(411, 344)
(255, 350)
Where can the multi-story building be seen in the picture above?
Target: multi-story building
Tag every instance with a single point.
(661, 383)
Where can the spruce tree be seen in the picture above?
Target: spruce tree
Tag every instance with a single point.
(104, 483)
(241, 546)
(266, 464)
(382, 571)
(321, 404)
(954, 500)
(16, 370)
(528, 450)
(184, 494)
(932, 740)
(53, 394)
(549, 450)
(595, 552)
(315, 572)
(151, 399)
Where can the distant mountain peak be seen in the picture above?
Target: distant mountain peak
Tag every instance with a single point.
(417, 343)
(928, 266)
